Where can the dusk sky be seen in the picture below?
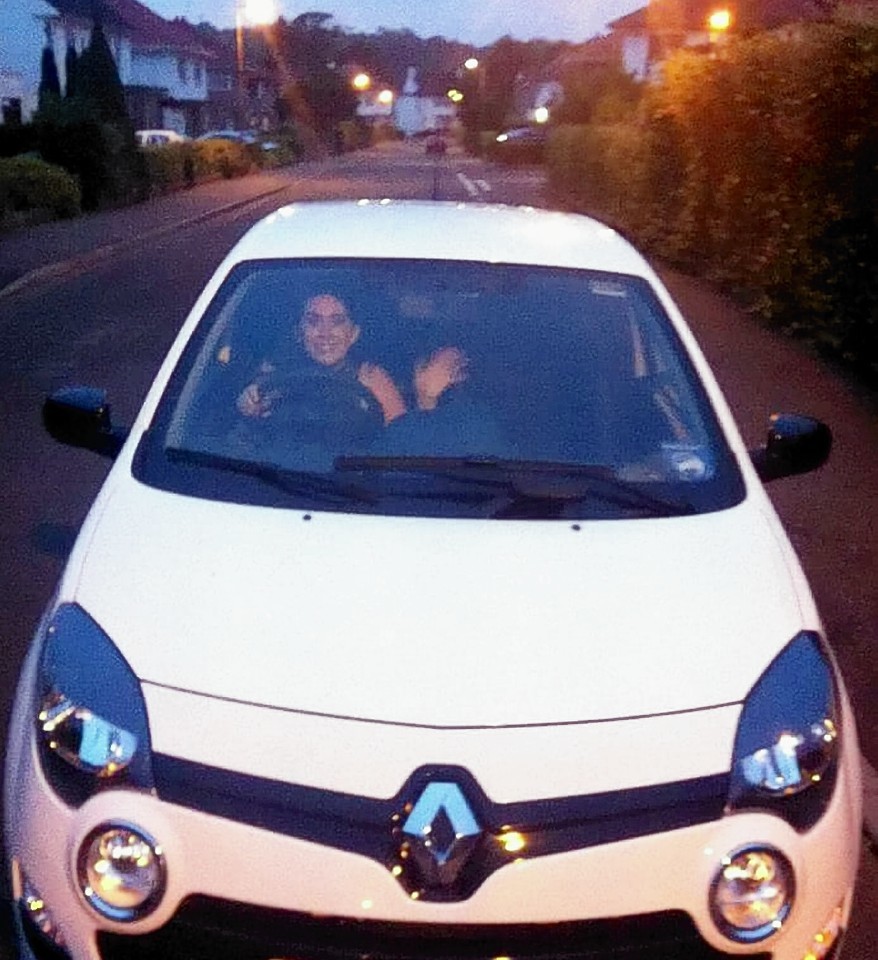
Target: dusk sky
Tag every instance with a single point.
(479, 23)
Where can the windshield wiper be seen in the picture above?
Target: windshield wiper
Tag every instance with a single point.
(325, 488)
(529, 483)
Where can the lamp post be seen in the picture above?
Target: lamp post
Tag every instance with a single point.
(718, 24)
(253, 13)
(474, 66)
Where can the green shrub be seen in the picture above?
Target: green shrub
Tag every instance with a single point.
(221, 157)
(758, 168)
(102, 155)
(29, 185)
(289, 149)
(170, 166)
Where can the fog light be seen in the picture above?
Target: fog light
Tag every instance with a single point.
(121, 872)
(35, 912)
(752, 894)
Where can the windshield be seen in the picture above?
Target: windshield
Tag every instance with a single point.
(446, 389)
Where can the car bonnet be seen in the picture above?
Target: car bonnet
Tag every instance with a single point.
(439, 622)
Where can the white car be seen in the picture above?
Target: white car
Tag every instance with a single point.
(159, 138)
(432, 606)
(247, 138)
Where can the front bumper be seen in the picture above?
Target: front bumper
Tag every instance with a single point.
(240, 891)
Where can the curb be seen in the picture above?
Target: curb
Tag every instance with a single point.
(64, 267)
(870, 805)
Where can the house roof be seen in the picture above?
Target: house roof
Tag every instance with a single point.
(599, 50)
(636, 20)
(662, 16)
(145, 27)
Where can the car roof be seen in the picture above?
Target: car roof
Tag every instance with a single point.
(439, 230)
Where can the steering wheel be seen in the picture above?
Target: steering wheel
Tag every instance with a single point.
(323, 406)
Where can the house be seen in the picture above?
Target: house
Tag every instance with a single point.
(162, 64)
(642, 40)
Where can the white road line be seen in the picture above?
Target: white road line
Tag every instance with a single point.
(468, 185)
(484, 185)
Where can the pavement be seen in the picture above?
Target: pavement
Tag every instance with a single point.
(34, 253)
(31, 254)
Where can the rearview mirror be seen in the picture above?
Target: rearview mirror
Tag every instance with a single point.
(795, 444)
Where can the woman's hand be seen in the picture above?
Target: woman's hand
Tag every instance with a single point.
(380, 384)
(444, 368)
(255, 400)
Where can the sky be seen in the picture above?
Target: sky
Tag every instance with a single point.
(480, 22)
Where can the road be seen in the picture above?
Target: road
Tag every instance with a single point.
(110, 323)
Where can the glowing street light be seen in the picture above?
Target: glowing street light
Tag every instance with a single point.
(259, 13)
(541, 115)
(718, 23)
(361, 82)
(720, 20)
(253, 13)
(385, 98)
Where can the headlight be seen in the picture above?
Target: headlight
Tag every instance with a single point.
(91, 721)
(786, 748)
(121, 871)
(752, 894)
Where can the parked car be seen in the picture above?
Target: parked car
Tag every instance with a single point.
(157, 138)
(245, 137)
(523, 135)
(520, 144)
(432, 606)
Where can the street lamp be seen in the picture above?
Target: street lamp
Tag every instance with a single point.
(252, 13)
(718, 24)
(541, 114)
(720, 20)
(474, 65)
(361, 82)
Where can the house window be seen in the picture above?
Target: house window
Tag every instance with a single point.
(11, 109)
(199, 74)
(183, 71)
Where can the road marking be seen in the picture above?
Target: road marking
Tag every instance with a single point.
(468, 185)
(475, 188)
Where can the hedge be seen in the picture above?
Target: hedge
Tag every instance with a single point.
(759, 169)
(32, 189)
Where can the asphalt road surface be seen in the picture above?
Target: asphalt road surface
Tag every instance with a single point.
(110, 323)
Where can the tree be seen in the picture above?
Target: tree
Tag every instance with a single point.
(97, 79)
(71, 65)
(89, 132)
(50, 84)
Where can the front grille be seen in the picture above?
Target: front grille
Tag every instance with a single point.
(210, 929)
(362, 824)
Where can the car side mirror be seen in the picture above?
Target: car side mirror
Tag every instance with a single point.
(795, 444)
(80, 417)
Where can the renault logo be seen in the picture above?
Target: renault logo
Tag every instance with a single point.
(441, 833)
